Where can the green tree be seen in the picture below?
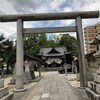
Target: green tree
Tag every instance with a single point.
(57, 39)
(2, 37)
(9, 54)
(1, 51)
(50, 41)
(42, 40)
(70, 42)
(31, 43)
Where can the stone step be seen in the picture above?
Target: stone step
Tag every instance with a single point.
(94, 86)
(9, 96)
(1, 83)
(4, 91)
(92, 95)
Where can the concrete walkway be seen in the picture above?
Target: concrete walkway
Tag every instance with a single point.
(52, 86)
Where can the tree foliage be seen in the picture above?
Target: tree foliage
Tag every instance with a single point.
(9, 54)
(33, 42)
(2, 37)
(70, 42)
(42, 40)
(50, 42)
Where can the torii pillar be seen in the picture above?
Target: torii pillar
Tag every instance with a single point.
(19, 54)
(81, 53)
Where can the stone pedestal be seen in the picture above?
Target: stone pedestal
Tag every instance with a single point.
(29, 69)
(4, 92)
(93, 92)
(12, 81)
(90, 76)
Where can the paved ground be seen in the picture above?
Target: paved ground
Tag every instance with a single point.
(52, 86)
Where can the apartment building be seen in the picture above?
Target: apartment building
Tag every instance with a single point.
(89, 33)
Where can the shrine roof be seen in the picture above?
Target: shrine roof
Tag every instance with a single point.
(2, 46)
(32, 57)
(96, 40)
(89, 54)
(53, 51)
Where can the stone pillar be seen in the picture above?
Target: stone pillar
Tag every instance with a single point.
(19, 55)
(81, 52)
(65, 65)
(39, 70)
(27, 69)
(73, 67)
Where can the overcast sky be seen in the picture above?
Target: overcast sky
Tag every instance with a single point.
(45, 6)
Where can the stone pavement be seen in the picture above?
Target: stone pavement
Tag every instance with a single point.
(52, 86)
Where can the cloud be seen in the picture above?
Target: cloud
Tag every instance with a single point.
(8, 29)
(13, 37)
(45, 6)
(22, 6)
(1, 13)
(34, 6)
(37, 6)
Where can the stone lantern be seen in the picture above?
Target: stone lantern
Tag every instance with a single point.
(2, 47)
(96, 41)
(4, 90)
(93, 92)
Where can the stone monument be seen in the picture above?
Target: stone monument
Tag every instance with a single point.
(29, 69)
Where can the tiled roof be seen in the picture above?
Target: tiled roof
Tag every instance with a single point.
(96, 40)
(53, 51)
(2, 46)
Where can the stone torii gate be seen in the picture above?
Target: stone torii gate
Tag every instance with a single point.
(77, 16)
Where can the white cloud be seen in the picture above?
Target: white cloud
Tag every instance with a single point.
(8, 29)
(45, 6)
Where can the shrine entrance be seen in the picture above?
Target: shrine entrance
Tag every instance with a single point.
(77, 16)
